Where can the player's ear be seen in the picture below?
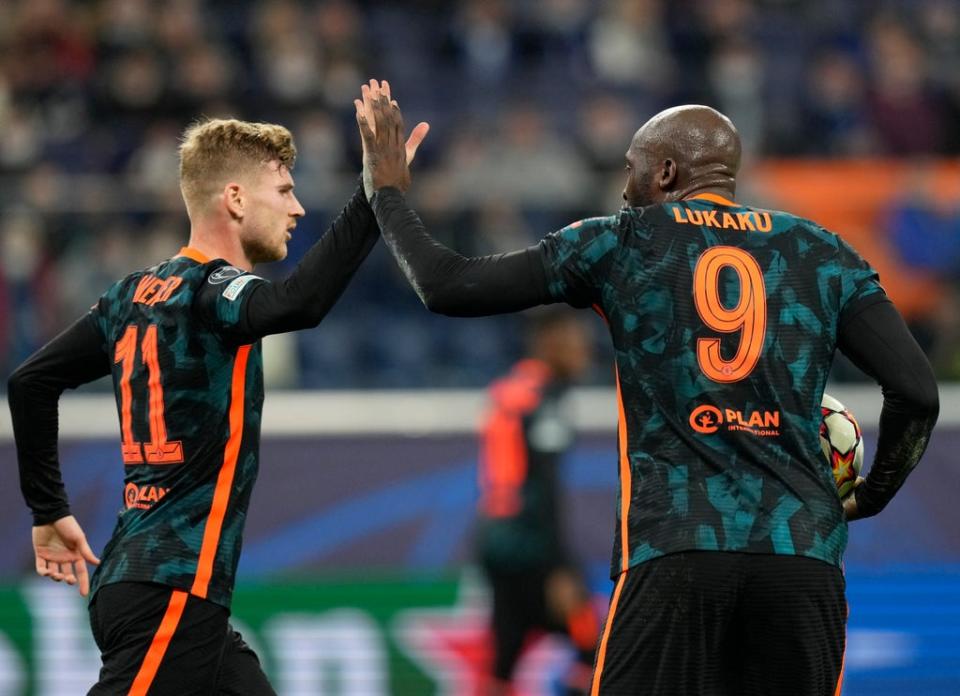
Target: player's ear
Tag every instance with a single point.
(232, 197)
(667, 176)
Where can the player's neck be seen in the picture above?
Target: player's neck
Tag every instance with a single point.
(217, 243)
(695, 190)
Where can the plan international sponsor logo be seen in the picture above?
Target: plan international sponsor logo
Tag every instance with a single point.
(143, 497)
(707, 419)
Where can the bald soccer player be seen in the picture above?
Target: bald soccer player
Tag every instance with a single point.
(724, 320)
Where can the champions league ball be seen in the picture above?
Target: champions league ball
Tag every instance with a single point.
(842, 443)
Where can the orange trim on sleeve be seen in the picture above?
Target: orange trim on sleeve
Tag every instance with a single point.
(192, 253)
(221, 494)
(602, 650)
(159, 644)
(713, 198)
(626, 480)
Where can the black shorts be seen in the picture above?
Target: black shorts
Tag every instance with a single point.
(519, 606)
(158, 640)
(718, 624)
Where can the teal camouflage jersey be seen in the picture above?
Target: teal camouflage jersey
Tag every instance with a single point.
(189, 392)
(724, 321)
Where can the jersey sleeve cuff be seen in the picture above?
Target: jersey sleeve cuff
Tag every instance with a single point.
(43, 518)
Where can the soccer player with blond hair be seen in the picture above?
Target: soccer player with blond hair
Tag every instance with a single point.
(181, 340)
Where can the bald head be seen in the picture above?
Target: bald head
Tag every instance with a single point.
(680, 152)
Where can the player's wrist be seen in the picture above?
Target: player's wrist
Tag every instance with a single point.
(42, 519)
(384, 193)
(866, 507)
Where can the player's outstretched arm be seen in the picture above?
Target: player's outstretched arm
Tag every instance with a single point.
(305, 297)
(446, 282)
(878, 341)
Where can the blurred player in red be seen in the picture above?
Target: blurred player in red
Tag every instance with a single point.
(522, 546)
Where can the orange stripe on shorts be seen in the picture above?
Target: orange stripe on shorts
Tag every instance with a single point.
(843, 660)
(626, 482)
(602, 651)
(159, 644)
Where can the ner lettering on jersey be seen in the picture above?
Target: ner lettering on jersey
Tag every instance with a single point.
(152, 290)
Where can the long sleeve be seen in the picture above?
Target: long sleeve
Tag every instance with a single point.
(75, 357)
(449, 283)
(303, 298)
(878, 341)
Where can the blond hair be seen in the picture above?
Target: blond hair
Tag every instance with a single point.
(213, 151)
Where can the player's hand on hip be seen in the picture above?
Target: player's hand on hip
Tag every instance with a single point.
(850, 502)
(386, 156)
(62, 553)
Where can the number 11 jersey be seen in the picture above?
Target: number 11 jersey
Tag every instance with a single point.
(724, 320)
(189, 390)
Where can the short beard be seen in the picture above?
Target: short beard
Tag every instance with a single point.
(258, 252)
(644, 185)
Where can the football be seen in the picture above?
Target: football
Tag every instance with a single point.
(841, 442)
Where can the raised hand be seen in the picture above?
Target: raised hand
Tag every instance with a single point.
(62, 553)
(381, 130)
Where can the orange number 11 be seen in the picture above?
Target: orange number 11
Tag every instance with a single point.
(159, 450)
(749, 316)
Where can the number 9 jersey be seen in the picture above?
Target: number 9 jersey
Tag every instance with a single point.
(724, 322)
(189, 390)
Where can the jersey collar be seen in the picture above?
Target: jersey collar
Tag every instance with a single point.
(192, 253)
(713, 198)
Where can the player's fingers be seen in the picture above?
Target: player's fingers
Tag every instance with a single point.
(86, 553)
(367, 96)
(367, 135)
(382, 103)
(385, 88)
(398, 129)
(68, 574)
(41, 567)
(381, 115)
(54, 572)
(83, 579)
(417, 135)
(392, 118)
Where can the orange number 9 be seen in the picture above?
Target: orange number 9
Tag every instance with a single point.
(748, 317)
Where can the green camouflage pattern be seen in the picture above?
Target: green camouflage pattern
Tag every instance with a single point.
(166, 506)
(717, 466)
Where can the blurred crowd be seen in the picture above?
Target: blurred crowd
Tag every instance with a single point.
(532, 105)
